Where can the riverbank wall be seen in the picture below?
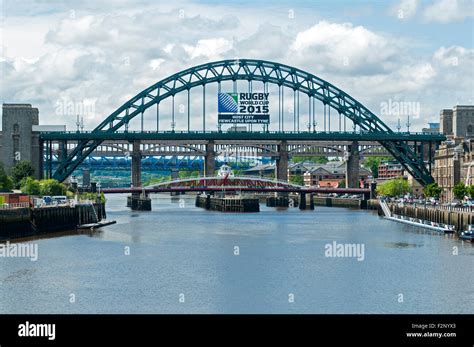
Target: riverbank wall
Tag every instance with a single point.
(345, 202)
(440, 214)
(22, 222)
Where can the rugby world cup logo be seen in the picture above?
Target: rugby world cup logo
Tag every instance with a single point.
(227, 102)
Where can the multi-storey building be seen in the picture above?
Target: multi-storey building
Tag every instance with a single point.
(390, 169)
(454, 158)
(331, 175)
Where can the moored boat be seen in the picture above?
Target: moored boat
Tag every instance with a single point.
(468, 235)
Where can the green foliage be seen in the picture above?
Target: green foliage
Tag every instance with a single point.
(49, 187)
(470, 191)
(460, 191)
(6, 182)
(394, 188)
(188, 174)
(318, 160)
(20, 171)
(372, 164)
(92, 196)
(30, 186)
(155, 180)
(297, 179)
(52, 187)
(432, 190)
(342, 184)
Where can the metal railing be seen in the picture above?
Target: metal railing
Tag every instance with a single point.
(385, 208)
(469, 209)
(362, 132)
(230, 178)
(14, 205)
(443, 207)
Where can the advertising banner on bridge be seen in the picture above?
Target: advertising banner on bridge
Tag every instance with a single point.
(250, 108)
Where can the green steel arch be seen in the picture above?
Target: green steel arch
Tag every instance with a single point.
(250, 70)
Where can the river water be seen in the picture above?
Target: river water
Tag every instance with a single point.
(183, 259)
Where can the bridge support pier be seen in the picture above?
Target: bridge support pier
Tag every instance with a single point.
(137, 201)
(352, 166)
(281, 167)
(136, 165)
(281, 200)
(210, 159)
(373, 190)
(306, 202)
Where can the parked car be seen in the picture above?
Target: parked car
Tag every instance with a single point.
(59, 199)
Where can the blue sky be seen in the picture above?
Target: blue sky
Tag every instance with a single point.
(100, 53)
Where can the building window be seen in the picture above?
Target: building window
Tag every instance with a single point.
(16, 128)
(469, 129)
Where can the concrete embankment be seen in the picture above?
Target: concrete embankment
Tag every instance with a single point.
(345, 202)
(21, 222)
(443, 215)
(12, 221)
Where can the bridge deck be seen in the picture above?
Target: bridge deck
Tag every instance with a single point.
(237, 189)
(215, 135)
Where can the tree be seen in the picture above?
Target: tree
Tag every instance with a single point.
(432, 190)
(470, 191)
(6, 183)
(21, 170)
(372, 164)
(459, 191)
(52, 187)
(188, 174)
(297, 179)
(31, 186)
(394, 188)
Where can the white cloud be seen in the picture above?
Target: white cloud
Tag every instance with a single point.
(405, 9)
(268, 42)
(344, 47)
(208, 48)
(456, 64)
(453, 56)
(155, 63)
(446, 11)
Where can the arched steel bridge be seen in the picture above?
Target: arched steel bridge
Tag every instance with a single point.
(236, 182)
(407, 148)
